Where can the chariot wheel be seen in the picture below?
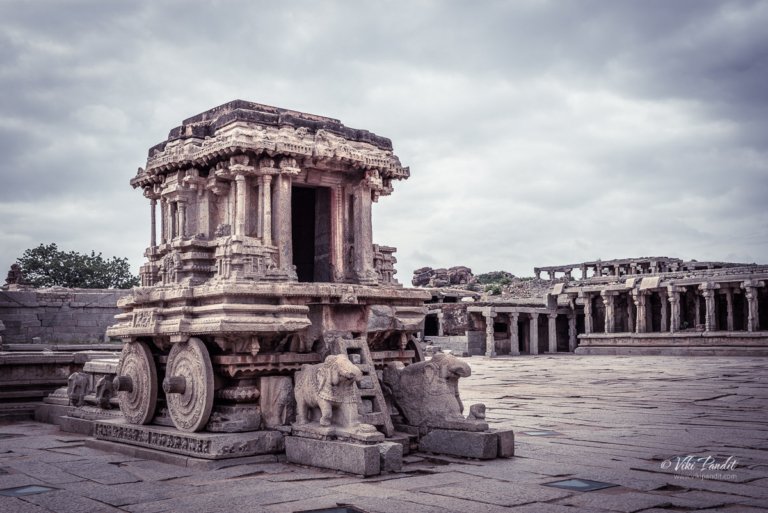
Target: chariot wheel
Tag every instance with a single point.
(188, 385)
(136, 383)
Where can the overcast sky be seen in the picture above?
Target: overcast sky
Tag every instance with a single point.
(537, 132)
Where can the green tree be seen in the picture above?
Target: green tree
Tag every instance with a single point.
(47, 266)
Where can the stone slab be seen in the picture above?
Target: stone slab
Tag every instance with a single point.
(349, 457)
(506, 443)
(391, 454)
(199, 445)
(466, 444)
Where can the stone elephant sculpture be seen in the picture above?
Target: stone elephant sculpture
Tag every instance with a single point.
(328, 386)
(77, 387)
(427, 393)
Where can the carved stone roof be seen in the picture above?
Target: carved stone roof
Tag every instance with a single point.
(246, 127)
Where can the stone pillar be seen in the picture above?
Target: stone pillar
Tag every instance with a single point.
(266, 209)
(568, 275)
(588, 321)
(697, 306)
(750, 292)
(537, 273)
(729, 306)
(630, 315)
(241, 184)
(490, 342)
(610, 315)
(173, 220)
(514, 335)
(642, 317)
(153, 223)
(534, 332)
(572, 332)
(583, 272)
(440, 315)
(673, 295)
(181, 211)
(337, 234)
(552, 332)
(710, 319)
(551, 275)
(282, 223)
(164, 220)
(663, 301)
(363, 235)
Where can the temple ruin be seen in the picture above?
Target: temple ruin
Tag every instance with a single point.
(651, 305)
(267, 318)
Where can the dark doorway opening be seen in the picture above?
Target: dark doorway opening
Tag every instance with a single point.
(431, 328)
(311, 233)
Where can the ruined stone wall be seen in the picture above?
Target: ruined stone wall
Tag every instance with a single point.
(58, 315)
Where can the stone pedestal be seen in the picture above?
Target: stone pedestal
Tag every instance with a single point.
(360, 459)
(212, 446)
(483, 445)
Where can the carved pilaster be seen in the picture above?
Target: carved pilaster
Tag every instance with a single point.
(610, 315)
(490, 342)
(640, 297)
(572, 332)
(588, 320)
(710, 317)
(552, 332)
(750, 292)
(337, 234)
(534, 333)
(673, 295)
(514, 335)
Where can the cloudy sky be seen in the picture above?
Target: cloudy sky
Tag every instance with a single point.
(537, 132)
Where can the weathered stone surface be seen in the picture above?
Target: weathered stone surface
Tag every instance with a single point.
(199, 445)
(427, 393)
(466, 444)
(506, 443)
(391, 456)
(357, 459)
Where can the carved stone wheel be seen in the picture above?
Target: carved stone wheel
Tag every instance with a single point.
(138, 400)
(189, 385)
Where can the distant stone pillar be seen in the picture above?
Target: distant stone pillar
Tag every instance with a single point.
(610, 316)
(337, 234)
(729, 307)
(440, 315)
(552, 332)
(707, 291)
(630, 315)
(534, 333)
(583, 272)
(266, 200)
(490, 342)
(697, 306)
(572, 331)
(514, 335)
(164, 220)
(750, 292)
(240, 205)
(673, 295)
(282, 223)
(363, 231)
(181, 211)
(153, 223)
(642, 318)
(663, 301)
(568, 275)
(588, 321)
(551, 275)
(537, 273)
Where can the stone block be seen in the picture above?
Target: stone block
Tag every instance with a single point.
(465, 444)
(364, 460)
(200, 445)
(391, 454)
(506, 443)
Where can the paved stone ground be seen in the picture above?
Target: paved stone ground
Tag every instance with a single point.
(619, 418)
